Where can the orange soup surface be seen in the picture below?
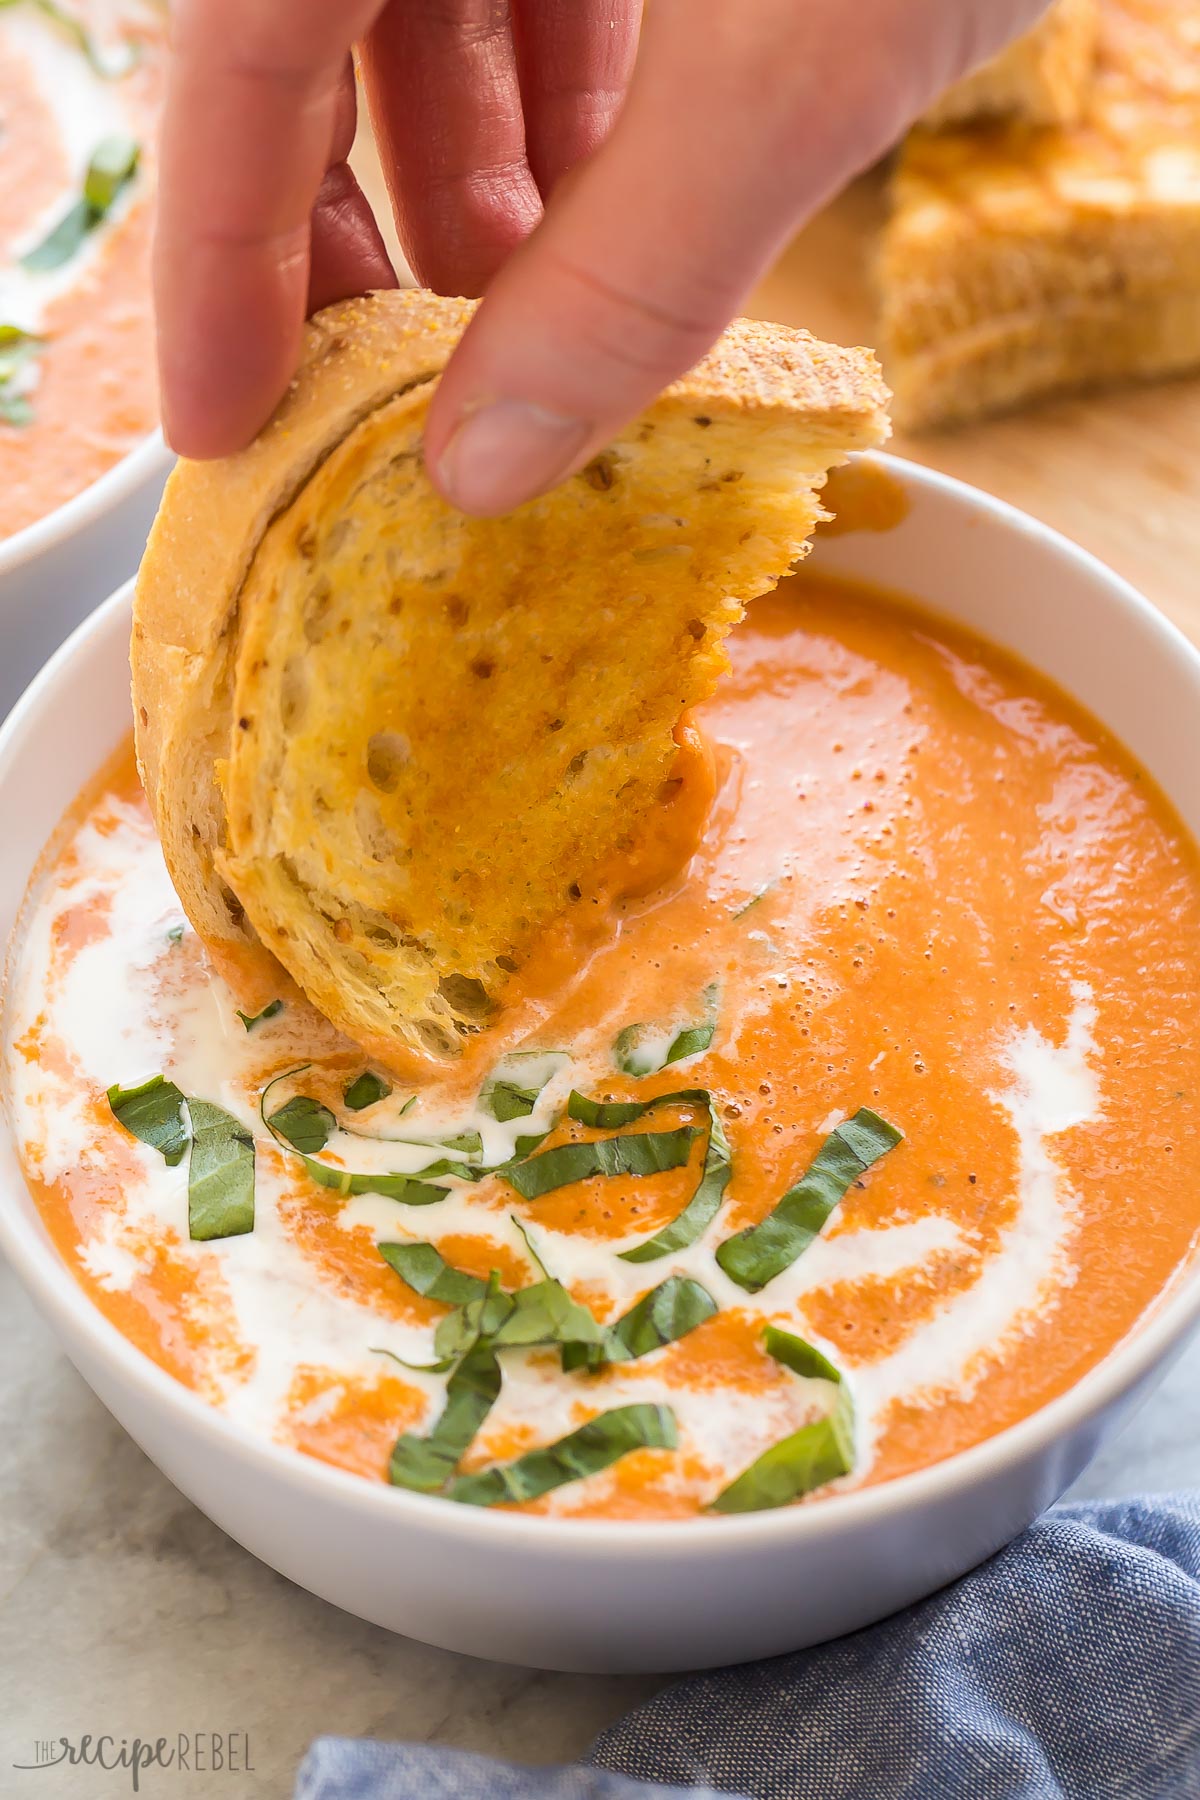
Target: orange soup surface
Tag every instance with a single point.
(77, 381)
(932, 894)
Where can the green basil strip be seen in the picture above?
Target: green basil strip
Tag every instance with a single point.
(755, 1256)
(606, 1114)
(816, 1454)
(425, 1270)
(250, 1020)
(511, 1091)
(660, 1317)
(154, 1114)
(632, 1058)
(220, 1174)
(700, 1210)
(114, 162)
(304, 1122)
(367, 1090)
(645, 1153)
(425, 1464)
(17, 349)
(175, 934)
(594, 1446)
(409, 1190)
(541, 1314)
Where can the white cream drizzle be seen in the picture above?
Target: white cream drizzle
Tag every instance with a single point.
(108, 1007)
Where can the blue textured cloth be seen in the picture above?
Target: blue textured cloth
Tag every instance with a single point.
(1066, 1668)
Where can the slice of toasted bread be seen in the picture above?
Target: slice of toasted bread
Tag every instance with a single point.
(1020, 263)
(392, 743)
(1041, 78)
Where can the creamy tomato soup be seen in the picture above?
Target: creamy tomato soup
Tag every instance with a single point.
(933, 899)
(79, 92)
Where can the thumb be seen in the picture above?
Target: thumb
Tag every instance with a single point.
(740, 122)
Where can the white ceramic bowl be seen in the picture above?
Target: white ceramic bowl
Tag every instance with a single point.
(612, 1596)
(56, 570)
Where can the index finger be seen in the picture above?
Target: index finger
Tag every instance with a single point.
(247, 129)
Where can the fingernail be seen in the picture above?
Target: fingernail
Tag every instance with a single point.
(507, 452)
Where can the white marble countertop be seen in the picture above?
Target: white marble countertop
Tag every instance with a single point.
(125, 1611)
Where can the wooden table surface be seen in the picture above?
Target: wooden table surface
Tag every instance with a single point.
(1117, 471)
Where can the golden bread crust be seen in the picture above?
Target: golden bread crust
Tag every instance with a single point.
(1018, 263)
(1040, 79)
(375, 736)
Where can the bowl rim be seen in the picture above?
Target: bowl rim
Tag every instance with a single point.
(1165, 1323)
(107, 491)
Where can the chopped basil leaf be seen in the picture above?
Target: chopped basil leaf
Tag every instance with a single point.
(634, 1050)
(424, 1269)
(594, 1446)
(541, 1314)
(407, 1189)
(220, 1174)
(175, 934)
(367, 1090)
(607, 1114)
(17, 350)
(755, 1256)
(700, 1210)
(425, 1464)
(816, 1454)
(512, 1089)
(153, 1113)
(643, 1153)
(660, 1317)
(410, 1190)
(113, 164)
(250, 1020)
(304, 1122)
(525, 1146)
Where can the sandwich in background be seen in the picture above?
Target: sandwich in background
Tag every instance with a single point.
(1041, 78)
(1019, 263)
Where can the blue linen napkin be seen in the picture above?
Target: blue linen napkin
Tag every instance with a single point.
(1065, 1668)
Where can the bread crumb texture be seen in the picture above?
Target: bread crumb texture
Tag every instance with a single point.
(411, 735)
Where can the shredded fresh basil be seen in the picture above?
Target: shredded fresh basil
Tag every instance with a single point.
(512, 1090)
(755, 1256)
(153, 1113)
(816, 1454)
(594, 1446)
(425, 1270)
(700, 1210)
(643, 1153)
(17, 350)
(113, 165)
(634, 1052)
(543, 1314)
(250, 1020)
(660, 1317)
(749, 905)
(175, 934)
(220, 1173)
(425, 1464)
(366, 1090)
(305, 1123)
(409, 1190)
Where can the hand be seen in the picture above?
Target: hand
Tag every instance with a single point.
(686, 177)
